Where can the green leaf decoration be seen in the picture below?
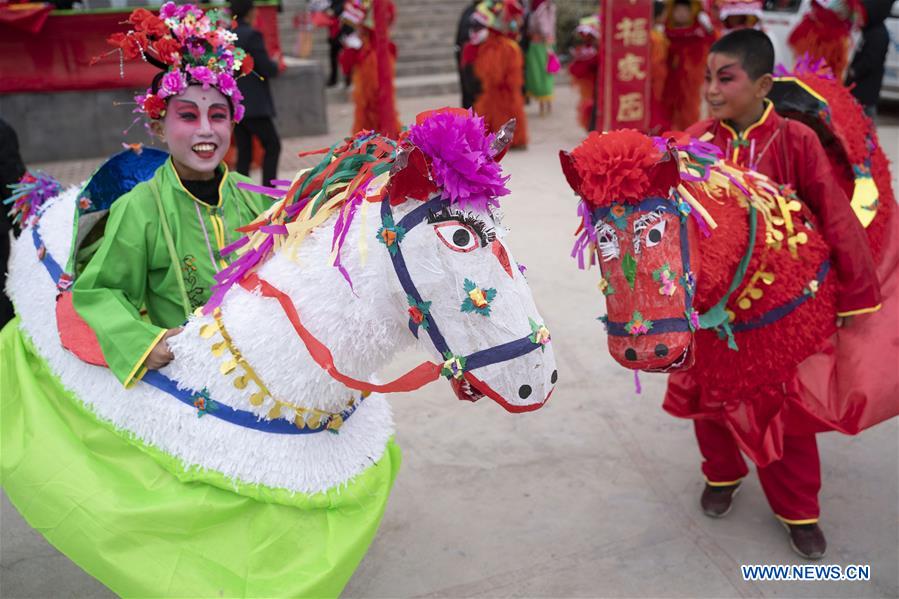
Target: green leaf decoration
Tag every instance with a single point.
(629, 267)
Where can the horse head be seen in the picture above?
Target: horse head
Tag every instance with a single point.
(437, 260)
(643, 244)
(675, 291)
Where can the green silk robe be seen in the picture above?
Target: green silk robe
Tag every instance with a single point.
(133, 268)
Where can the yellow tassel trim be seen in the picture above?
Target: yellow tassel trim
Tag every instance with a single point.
(245, 375)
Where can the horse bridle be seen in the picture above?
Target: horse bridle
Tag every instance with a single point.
(479, 359)
(715, 317)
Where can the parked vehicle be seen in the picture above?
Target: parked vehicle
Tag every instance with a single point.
(781, 16)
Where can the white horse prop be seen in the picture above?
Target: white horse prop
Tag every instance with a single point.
(259, 461)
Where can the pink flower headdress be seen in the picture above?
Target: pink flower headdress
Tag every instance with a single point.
(191, 46)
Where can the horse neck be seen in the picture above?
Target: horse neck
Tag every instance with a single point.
(721, 252)
(363, 326)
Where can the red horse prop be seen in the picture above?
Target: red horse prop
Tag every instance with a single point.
(716, 269)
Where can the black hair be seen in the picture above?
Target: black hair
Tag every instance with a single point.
(752, 47)
(658, 8)
(157, 83)
(241, 8)
(685, 2)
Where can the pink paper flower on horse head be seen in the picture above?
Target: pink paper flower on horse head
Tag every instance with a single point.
(459, 149)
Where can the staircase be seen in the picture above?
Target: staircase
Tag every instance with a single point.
(424, 34)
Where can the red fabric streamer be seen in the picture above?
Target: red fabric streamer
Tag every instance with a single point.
(418, 377)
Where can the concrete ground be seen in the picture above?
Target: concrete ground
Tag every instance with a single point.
(597, 494)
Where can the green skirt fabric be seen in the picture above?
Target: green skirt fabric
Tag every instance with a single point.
(109, 505)
(537, 81)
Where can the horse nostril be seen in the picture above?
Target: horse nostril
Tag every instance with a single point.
(630, 353)
(524, 391)
(661, 350)
(554, 377)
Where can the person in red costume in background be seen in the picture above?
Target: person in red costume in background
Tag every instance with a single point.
(363, 62)
(584, 66)
(746, 128)
(825, 32)
(690, 33)
(499, 67)
(658, 71)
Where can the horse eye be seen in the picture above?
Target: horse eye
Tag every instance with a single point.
(457, 237)
(655, 234)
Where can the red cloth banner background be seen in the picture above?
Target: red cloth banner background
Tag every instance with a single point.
(624, 80)
(58, 56)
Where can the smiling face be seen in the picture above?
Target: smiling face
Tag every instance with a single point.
(730, 92)
(197, 130)
(476, 299)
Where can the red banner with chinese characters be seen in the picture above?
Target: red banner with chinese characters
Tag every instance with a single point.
(58, 56)
(624, 81)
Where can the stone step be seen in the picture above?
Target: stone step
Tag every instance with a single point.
(425, 67)
(406, 87)
(424, 33)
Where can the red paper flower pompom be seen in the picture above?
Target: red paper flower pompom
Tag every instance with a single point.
(615, 166)
(246, 67)
(168, 50)
(154, 106)
(131, 44)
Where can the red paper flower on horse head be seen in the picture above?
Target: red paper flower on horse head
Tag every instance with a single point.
(615, 167)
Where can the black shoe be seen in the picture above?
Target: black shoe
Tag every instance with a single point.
(716, 501)
(807, 540)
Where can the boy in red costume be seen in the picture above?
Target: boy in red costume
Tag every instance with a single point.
(690, 33)
(751, 134)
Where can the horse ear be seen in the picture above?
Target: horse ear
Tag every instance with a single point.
(571, 174)
(665, 174)
(503, 140)
(410, 176)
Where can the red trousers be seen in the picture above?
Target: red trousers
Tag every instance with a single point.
(791, 484)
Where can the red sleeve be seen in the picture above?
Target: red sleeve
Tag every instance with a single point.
(850, 252)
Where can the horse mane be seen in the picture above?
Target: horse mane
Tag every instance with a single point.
(447, 151)
(849, 137)
(337, 184)
(628, 166)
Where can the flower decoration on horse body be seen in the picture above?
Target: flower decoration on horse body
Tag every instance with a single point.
(191, 46)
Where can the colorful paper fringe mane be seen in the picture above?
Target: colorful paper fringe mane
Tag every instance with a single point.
(703, 175)
(338, 183)
(29, 194)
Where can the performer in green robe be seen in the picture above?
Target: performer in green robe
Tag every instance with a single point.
(160, 251)
(143, 520)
